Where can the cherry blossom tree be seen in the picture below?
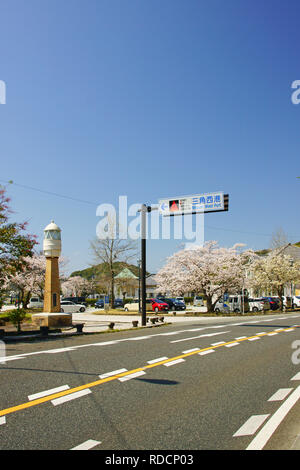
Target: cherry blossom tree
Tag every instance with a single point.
(210, 270)
(273, 272)
(31, 278)
(76, 286)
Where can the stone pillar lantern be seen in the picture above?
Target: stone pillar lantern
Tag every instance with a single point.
(52, 251)
(52, 316)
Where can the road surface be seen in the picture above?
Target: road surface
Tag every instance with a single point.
(226, 383)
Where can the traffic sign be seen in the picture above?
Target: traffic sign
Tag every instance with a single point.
(198, 203)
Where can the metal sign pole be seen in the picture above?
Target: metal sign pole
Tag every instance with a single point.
(143, 263)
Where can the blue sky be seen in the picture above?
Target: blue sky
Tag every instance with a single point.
(151, 99)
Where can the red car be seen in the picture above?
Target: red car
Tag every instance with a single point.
(159, 305)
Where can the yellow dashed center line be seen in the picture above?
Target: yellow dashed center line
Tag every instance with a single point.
(39, 401)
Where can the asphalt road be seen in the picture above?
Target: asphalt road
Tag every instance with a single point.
(227, 384)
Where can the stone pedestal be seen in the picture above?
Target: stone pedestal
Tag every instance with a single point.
(52, 320)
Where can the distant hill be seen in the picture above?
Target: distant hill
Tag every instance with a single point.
(95, 271)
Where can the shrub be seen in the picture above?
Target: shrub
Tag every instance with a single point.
(17, 316)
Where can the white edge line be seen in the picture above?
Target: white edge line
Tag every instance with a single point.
(2, 420)
(87, 445)
(266, 432)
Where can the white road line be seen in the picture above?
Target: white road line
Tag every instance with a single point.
(132, 376)
(296, 377)
(290, 329)
(172, 363)
(87, 445)
(272, 334)
(231, 345)
(261, 333)
(72, 396)
(60, 350)
(203, 353)
(48, 392)
(105, 343)
(153, 361)
(281, 394)
(138, 338)
(207, 335)
(241, 337)
(251, 425)
(2, 420)
(113, 372)
(278, 329)
(7, 358)
(252, 339)
(269, 428)
(216, 344)
(190, 350)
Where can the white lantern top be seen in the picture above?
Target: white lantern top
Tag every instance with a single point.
(52, 226)
(52, 240)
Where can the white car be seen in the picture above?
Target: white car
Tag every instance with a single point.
(134, 305)
(258, 305)
(296, 301)
(198, 301)
(67, 306)
(35, 302)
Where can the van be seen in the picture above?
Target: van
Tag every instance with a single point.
(235, 303)
(35, 302)
(198, 301)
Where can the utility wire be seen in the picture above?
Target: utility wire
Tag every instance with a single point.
(49, 192)
(96, 204)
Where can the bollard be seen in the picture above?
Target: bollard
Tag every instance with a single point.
(79, 327)
(44, 330)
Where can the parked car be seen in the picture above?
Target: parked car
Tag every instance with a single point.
(258, 305)
(159, 305)
(133, 306)
(180, 299)
(296, 301)
(67, 306)
(35, 302)
(198, 301)
(273, 301)
(118, 303)
(75, 300)
(175, 305)
(99, 303)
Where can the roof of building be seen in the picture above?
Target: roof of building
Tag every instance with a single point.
(126, 274)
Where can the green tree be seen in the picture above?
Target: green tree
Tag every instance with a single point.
(15, 243)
